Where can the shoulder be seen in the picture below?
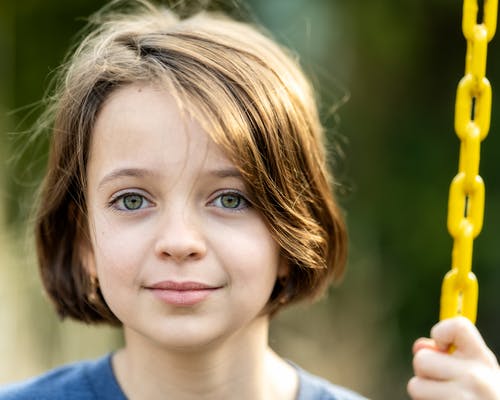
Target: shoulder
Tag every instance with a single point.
(313, 387)
(84, 380)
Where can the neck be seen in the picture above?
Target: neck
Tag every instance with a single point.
(241, 366)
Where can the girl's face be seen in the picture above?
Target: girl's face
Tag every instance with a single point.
(182, 258)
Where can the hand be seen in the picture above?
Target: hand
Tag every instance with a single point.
(470, 371)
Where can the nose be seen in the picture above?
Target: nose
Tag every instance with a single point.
(180, 237)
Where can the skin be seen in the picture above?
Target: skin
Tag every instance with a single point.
(470, 371)
(166, 205)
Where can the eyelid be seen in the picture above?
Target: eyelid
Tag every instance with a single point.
(116, 197)
(218, 194)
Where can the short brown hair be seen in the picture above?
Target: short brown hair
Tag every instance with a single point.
(251, 97)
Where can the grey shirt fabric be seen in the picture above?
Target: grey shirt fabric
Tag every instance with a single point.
(89, 380)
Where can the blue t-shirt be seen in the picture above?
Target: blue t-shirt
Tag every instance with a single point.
(90, 380)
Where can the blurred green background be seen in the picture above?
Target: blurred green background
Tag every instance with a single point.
(399, 64)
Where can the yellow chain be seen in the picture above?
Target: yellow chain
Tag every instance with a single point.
(466, 199)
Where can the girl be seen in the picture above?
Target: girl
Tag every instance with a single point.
(188, 199)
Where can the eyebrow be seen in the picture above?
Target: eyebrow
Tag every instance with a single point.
(225, 173)
(125, 173)
(141, 173)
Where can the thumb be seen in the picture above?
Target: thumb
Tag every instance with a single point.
(460, 333)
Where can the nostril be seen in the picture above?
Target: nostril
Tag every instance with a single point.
(179, 234)
(180, 248)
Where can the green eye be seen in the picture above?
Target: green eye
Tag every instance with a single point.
(132, 201)
(230, 201)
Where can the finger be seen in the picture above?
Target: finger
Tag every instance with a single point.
(424, 389)
(424, 343)
(463, 335)
(436, 365)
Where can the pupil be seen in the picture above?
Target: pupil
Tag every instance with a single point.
(230, 201)
(132, 202)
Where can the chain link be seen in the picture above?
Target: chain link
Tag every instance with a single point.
(466, 200)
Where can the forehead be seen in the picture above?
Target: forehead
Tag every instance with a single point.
(142, 125)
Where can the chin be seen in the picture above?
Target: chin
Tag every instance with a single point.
(185, 337)
(186, 343)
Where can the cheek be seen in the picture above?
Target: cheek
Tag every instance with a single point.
(252, 257)
(117, 252)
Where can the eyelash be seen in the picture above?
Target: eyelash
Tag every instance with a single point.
(242, 204)
(119, 198)
(116, 202)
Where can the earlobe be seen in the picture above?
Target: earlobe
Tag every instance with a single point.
(87, 262)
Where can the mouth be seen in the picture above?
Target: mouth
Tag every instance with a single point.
(182, 294)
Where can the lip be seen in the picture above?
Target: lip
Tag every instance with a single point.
(182, 294)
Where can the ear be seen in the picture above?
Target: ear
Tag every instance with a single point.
(83, 253)
(86, 257)
(283, 267)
